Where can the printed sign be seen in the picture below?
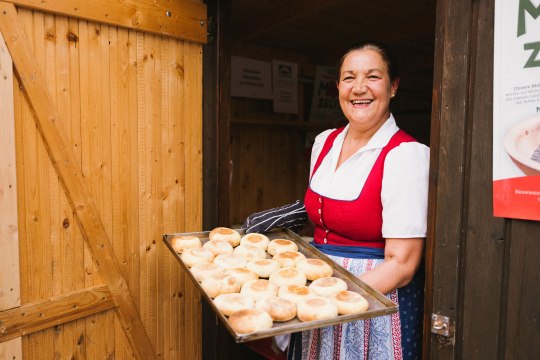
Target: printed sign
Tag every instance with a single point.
(325, 102)
(251, 78)
(516, 110)
(285, 87)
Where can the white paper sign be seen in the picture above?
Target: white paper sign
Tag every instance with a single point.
(516, 109)
(285, 87)
(325, 103)
(251, 78)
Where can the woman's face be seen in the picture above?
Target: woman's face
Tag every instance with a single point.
(365, 89)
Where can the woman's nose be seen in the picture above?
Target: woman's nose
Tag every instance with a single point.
(359, 85)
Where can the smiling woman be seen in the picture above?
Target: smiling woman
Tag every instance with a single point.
(367, 200)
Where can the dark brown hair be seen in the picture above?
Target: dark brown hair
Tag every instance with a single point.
(382, 49)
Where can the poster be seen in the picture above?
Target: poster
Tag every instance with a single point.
(285, 87)
(251, 78)
(516, 109)
(325, 102)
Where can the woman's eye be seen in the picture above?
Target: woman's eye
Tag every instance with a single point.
(348, 78)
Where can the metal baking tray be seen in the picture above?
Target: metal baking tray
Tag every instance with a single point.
(379, 305)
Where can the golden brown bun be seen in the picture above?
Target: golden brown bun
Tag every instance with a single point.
(289, 258)
(250, 252)
(263, 267)
(349, 302)
(314, 268)
(223, 233)
(295, 293)
(279, 245)
(242, 275)
(259, 289)
(183, 242)
(250, 320)
(217, 247)
(200, 271)
(230, 261)
(287, 276)
(220, 284)
(195, 256)
(326, 286)
(279, 309)
(316, 308)
(231, 303)
(255, 239)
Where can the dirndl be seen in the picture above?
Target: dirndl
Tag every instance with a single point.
(396, 336)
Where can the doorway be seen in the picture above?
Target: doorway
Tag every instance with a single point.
(261, 158)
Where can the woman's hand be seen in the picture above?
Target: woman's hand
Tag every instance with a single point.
(402, 258)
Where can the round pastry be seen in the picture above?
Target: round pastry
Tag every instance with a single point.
(231, 303)
(250, 320)
(256, 239)
(259, 289)
(250, 252)
(316, 308)
(217, 247)
(230, 261)
(295, 293)
(314, 268)
(263, 267)
(289, 258)
(183, 242)
(242, 275)
(195, 256)
(218, 284)
(287, 276)
(200, 271)
(279, 245)
(349, 302)
(326, 286)
(223, 233)
(279, 309)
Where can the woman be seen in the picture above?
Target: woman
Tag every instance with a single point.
(367, 198)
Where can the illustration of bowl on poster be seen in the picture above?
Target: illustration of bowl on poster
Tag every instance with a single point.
(522, 144)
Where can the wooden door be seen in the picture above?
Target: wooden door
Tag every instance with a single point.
(482, 271)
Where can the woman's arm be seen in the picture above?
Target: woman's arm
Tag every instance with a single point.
(401, 260)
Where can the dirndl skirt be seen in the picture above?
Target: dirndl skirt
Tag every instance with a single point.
(396, 336)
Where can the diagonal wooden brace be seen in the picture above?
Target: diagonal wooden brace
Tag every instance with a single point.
(64, 161)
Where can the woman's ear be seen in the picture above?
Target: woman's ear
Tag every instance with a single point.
(394, 86)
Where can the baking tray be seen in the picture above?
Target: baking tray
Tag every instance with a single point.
(378, 304)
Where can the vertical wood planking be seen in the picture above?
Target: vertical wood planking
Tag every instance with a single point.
(10, 287)
(129, 136)
(450, 106)
(193, 176)
(484, 236)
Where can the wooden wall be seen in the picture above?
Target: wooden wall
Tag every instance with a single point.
(484, 274)
(268, 163)
(130, 105)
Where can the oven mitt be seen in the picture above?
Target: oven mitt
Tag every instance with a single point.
(292, 216)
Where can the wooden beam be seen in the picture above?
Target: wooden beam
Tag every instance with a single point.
(69, 174)
(284, 13)
(57, 310)
(10, 289)
(183, 19)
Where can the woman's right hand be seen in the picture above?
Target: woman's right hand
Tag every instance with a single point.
(291, 216)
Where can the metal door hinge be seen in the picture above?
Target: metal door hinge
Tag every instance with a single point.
(440, 325)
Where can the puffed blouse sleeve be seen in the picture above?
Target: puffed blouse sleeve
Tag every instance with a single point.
(317, 148)
(404, 192)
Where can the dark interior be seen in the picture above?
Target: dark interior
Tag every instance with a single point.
(269, 152)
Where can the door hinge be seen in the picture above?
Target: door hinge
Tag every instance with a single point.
(440, 325)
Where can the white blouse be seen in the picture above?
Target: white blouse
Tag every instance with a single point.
(404, 186)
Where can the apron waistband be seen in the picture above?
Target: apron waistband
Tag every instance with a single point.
(356, 252)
